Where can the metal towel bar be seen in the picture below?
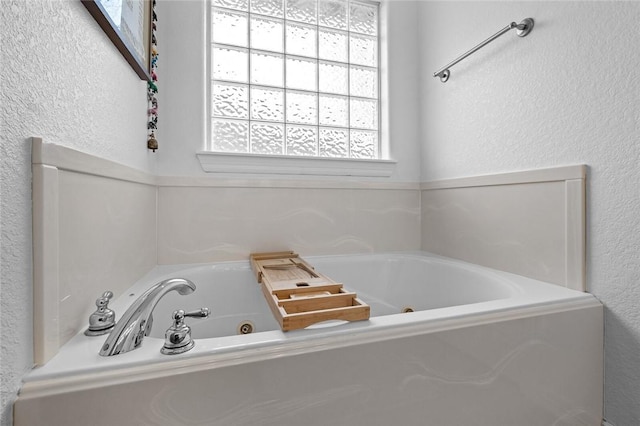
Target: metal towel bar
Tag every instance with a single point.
(523, 28)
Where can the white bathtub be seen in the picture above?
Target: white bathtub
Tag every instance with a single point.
(482, 347)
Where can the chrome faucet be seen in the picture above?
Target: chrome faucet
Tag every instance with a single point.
(136, 322)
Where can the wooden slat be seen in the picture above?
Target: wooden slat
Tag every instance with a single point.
(302, 286)
(287, 292)
(273, 305)
(303, 320)
(316, 303)
(273, 255)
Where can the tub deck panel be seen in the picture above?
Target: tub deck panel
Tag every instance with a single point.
(539, 370)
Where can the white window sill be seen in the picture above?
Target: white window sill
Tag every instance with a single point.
(218, 162)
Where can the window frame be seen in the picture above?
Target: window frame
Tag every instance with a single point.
(256, 163)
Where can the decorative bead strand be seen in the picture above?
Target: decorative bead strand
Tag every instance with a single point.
(152, 86)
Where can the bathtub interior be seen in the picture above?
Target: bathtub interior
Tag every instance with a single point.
(393, 282)
(390, 284)
(229, 291)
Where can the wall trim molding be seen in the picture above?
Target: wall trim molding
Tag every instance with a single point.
(552, 174)
(223, 162)
(45, 246)
(64, 158)
(226, 182)
(575, 234)
(69, 159)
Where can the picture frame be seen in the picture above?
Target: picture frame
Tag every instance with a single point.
(128, 24)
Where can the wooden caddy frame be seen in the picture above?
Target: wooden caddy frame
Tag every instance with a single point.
(299, 296)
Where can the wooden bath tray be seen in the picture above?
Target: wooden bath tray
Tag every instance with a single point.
(299, 296)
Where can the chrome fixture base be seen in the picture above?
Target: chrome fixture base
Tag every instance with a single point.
(178, 338)
(179, 349)
(444, 76)
(103, 319)
(524, 27)
(90, 333)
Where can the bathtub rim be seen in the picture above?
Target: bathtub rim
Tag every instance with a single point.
(38, 387)
(149, 364)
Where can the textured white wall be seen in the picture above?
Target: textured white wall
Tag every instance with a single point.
(567, 93)
(62, 79)
(181, 34)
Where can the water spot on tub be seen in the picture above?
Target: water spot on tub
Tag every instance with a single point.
(132, 294)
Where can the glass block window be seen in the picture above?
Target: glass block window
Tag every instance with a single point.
(295, 77)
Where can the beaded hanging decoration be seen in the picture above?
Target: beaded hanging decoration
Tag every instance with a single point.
(152, 86)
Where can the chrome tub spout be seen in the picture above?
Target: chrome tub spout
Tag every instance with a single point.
(136, 322)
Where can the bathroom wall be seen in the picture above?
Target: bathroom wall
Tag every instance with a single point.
(183, 81)
(61, 79)
(568, 93)
(231, 215)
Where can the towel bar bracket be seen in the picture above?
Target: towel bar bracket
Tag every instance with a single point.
(524, 27)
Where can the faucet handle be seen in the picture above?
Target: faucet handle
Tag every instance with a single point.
(178, 339)
(103, 319)
(200, 313)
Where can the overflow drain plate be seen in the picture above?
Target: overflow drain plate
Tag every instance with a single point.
(245, 327)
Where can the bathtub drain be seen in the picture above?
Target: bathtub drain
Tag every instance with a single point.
(245, 327)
